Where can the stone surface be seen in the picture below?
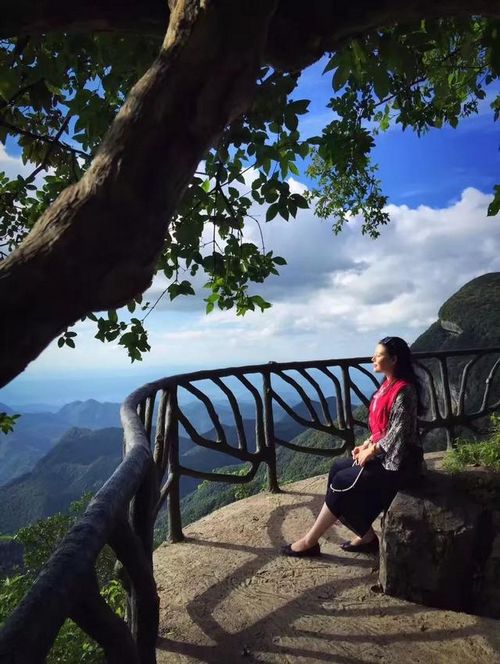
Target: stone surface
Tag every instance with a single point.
(227, 596)
(428, 545)
(489, 600)
(481, 484)
(440, 544)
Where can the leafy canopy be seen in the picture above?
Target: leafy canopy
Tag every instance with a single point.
(59, 94)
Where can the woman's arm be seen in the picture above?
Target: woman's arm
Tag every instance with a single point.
(402, 422)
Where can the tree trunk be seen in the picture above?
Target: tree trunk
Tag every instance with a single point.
(97, 245)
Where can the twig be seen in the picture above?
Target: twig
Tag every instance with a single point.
(260, 231)
(45, 139)
(50, 150)
(150, 309)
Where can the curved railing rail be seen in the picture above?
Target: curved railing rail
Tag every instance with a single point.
(328, 396)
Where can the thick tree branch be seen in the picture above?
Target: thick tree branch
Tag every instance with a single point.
(299, 34)
(320, 26)
(97, 245)
(35, 17)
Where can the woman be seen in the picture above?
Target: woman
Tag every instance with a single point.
(362, 487)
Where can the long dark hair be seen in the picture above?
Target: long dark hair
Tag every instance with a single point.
(403, 369)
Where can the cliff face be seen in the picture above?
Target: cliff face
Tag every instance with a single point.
(469, 319)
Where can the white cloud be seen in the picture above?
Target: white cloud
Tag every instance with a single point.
(336, 297)
(352, 290)
(12, 166)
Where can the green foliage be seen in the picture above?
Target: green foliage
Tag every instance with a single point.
(7, 422)
(467, 453)
(494, 206)
(242, 490)
(39, 542)
(59, 94)
(421, 76)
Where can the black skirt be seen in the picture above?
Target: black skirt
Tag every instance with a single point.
(367, 494)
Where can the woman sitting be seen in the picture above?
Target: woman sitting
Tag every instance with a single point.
(359, 489)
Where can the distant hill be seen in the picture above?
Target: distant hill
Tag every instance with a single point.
(82, 461)
(33, 436)
(35, 433)
(91, 414)
(468, 319)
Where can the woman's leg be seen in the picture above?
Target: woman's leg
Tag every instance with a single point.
(376, 479)
(368, 537)
(324, 520)
(341, 474)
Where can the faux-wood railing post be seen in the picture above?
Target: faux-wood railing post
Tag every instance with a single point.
(450, 432)
(272, 473)
(348, 416)
(172, 443)
(144, 601)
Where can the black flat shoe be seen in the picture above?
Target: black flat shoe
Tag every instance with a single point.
(370, 547)
(311, 552)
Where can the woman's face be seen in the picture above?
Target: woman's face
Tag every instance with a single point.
(382, 360)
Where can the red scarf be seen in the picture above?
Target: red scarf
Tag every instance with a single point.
(381, 405)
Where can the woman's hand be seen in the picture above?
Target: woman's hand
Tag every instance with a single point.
(359, 448)
(364, 455)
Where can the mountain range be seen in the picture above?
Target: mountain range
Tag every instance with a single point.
(83, 459)
(35, 433)
(52, 458)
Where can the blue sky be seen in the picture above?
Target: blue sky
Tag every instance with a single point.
(337, 295)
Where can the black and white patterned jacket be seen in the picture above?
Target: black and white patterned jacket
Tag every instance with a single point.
(402, 430)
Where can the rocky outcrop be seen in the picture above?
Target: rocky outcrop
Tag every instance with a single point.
(440, 543)
(470, 318)
(451, 327)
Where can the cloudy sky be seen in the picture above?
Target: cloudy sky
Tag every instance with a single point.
(338, 294)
